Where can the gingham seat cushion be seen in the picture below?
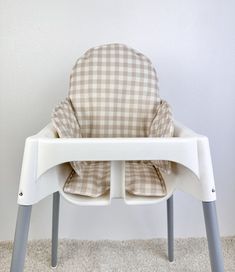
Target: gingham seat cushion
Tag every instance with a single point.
(113, 93)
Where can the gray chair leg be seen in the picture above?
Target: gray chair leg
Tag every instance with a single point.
(213, 237)
(170, 228)
(55, 228)
(21, 237)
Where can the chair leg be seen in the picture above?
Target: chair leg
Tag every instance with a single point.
(213, 237)
(170, 228)
(55, 228)
(21, 237)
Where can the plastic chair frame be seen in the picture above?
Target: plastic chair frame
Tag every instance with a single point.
(45, 168)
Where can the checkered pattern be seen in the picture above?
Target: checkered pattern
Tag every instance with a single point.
(93, 181)
(143, 178)
(66, 125)
(114, 93)
(162, 126)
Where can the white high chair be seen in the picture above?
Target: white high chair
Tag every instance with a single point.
(45, 168)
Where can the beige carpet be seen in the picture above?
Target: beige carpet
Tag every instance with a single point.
(115, 256)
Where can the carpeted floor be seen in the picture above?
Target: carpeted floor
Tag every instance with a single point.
(191, 255)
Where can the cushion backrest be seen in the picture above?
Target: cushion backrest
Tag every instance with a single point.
(113, 90)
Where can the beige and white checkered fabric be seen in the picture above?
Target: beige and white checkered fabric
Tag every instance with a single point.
(114, 93)
(66, 125)
(93, 181)
(143, 178)
(162, 126)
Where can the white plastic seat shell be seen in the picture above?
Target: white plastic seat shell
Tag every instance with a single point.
(44, 168)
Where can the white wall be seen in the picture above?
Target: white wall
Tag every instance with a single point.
(192, 45)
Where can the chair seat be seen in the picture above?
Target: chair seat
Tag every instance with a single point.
(144, 178)
(141, 178)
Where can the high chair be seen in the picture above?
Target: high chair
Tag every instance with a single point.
(46, 166)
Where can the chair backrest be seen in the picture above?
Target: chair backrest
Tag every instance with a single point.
(114, 92)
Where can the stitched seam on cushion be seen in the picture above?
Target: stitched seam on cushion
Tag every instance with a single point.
(69, 178)
(161, 179)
